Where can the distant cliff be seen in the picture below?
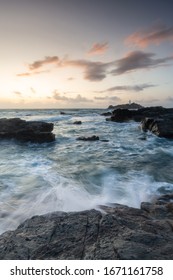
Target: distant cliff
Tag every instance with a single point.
(132, 106)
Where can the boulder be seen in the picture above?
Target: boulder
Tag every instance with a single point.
(77, 122)
(116, 232)
(33, 131)
(90, 138)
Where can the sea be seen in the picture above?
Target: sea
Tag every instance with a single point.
(126, 166)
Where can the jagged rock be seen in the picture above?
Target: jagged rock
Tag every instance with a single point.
(34, 131)
(118, 232)
(160, 127)
(90, 138)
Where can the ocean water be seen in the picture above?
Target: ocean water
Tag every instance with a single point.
(72, 175)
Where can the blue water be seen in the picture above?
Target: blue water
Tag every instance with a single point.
(72, 175)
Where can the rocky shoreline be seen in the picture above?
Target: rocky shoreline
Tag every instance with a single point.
(115, 232)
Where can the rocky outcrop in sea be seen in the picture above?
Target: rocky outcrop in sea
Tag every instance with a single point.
(115, 232)
(158, 120)
(33, 131)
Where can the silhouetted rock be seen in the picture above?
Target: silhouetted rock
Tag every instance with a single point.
(34, 131)
(90, 138)
(123, 115)
(130, 106)
(117, 233)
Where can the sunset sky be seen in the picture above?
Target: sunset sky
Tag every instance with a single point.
(85, 53)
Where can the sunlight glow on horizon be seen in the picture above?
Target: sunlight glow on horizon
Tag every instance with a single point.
(70, 56)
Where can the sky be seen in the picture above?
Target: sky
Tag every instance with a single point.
(85, 54)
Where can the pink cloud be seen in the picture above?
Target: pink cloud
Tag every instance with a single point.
(98, 48)
(153, 36)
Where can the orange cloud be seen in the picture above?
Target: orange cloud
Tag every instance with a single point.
(26, 74)
(155, 35)
(98, 48)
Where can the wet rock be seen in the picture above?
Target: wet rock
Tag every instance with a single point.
(106, 114)
(90, 138)
(162, 127)
(77, 122)
(115, 232)
(33, 131)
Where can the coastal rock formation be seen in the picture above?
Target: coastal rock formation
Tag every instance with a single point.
(160, 127)
(33, 131)
(117, 233)
(158, 120)
(123, 115)
(131, 106)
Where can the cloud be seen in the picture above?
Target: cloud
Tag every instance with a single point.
(18, 93)
(96, 70)
(152, 36)
(70, 79)
(138, 60)
(32, 90)
(93, 71)
(59, 97)
(98, 48)
(136, 88)
(113, 98)
(40, 63)
(27, 74)
(170, 99)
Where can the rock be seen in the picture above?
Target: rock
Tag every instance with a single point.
(62, 113)
(117, 233)
(106, 114)
(124, 115)
(34, 131)
(77, 122)
(131, 106)
(160, 127)
(90, 138)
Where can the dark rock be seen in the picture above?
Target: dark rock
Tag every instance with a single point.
(131, 106)
(34, 131)
(77, 122)
(158, 120)
(160, 127)
(90, 138)
(106, 114)
(62, 113)
(118, 232)
(124, 115)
